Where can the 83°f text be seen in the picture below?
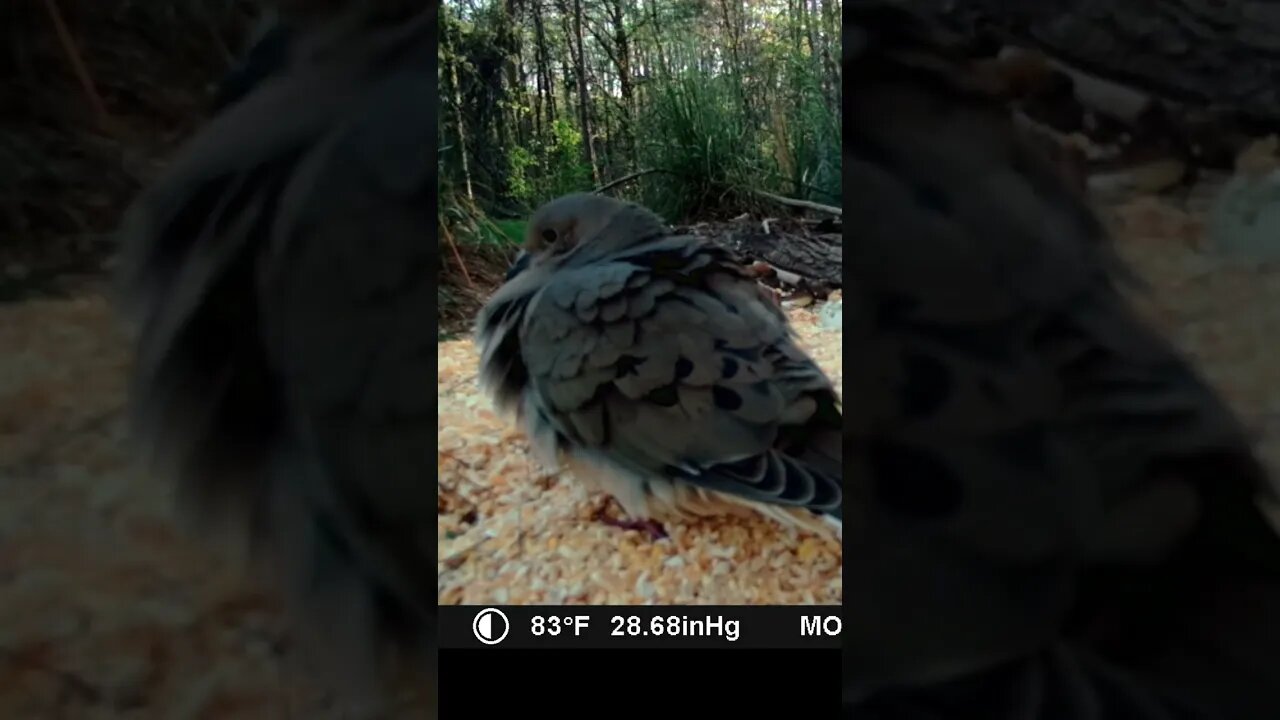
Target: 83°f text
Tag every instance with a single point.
(554, 624)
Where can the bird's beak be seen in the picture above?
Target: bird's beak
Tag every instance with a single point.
(520, 265)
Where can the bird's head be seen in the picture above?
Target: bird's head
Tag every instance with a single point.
(586, 226)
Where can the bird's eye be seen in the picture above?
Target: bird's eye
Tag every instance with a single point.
(549, 235)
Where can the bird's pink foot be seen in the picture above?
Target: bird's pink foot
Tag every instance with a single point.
(652, 527)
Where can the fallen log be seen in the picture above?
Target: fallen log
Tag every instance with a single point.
(1207, 53)
(817, 258)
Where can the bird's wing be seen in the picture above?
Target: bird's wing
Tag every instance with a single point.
(1014, 418)
(666, 361)
(281, 274)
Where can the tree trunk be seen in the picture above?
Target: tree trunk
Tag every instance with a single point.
(622, 59)
(460, 122)
(514, 70)
(546, 86)
(731, 28)
(1202, 52)
(831, 34)
(664, 64)
(567, 60)
(584, 98)
(796, 13)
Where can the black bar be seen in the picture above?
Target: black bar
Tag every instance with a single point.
(641, 626)
(565, 684)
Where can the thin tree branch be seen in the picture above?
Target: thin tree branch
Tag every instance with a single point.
(78, 66)
(628, 177)
(806, 204)
(448, 237)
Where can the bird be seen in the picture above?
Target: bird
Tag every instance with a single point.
(268, 54)
(276, 282)
(659, 371)
(1054, 514)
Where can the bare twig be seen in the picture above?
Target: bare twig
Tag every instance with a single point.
(78, 66)
(806, 204)
(627, 178)
(448, 236)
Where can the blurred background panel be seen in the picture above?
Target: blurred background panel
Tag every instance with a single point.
(108, 607)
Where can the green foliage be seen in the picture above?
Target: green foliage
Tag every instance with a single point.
(560, 171)
(521, 177)
(724, 98)
(510, 232)
(565, 170)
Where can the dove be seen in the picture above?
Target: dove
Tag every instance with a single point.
(1053, 513)
(660, 371)
(268, 54)
(276, 279)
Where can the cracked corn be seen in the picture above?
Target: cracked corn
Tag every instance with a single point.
(510, 532)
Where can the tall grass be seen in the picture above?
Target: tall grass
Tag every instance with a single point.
(712, 144)
(696, 133)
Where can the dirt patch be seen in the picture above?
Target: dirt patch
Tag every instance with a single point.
(111, 608)
(469, 273)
